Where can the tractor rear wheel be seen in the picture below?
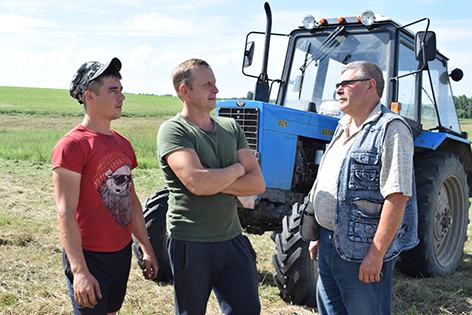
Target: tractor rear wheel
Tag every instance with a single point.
(295, 273)
(154, 211)
(443, 215)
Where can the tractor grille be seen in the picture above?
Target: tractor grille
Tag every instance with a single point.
(248, 118)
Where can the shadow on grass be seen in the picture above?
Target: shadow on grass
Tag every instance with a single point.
(448, 294)
(266, 278)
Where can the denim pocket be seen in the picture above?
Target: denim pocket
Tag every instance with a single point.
(362, 226)
(364, 171)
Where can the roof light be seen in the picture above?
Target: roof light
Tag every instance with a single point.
(323, 21)
(341, 19)
(367, 18)
(309, 22)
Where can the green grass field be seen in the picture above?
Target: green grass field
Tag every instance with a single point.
(31, 276)
(58, 103)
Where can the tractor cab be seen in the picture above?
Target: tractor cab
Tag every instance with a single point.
(415, 73)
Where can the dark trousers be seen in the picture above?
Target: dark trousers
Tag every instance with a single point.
(228, 268)
(111, 271)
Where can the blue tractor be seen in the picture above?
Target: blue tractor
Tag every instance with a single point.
(289, 135)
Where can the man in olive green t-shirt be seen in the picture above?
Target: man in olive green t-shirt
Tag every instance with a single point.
(206, 164)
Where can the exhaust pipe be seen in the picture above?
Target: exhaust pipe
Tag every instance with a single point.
(262, 85)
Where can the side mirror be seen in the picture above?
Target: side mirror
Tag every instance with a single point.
(456, 74)
(249, 54)
(425, 45)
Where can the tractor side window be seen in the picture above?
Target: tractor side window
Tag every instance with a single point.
(429, 117)
(407, 96)
(439, 82)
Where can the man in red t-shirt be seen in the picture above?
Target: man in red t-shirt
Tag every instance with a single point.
(97, 206)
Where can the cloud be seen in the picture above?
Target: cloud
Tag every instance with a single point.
(154, 24)
(30, 6)
(44, 42)
(144, 71)
(163, 25)
(448, 31)
(13, 23)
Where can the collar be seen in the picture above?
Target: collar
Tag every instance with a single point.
(345, 121)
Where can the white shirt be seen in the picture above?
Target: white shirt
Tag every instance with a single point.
(395, 175)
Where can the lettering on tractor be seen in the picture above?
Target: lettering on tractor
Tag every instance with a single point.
(418, 87)
(327, 132)
(282, 123)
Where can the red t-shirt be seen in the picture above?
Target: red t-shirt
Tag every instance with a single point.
(104, 212)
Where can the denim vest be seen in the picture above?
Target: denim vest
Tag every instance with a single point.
(360, 180)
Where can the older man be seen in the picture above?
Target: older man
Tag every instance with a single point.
(364, 199)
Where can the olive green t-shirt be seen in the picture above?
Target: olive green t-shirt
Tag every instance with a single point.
(201, 218)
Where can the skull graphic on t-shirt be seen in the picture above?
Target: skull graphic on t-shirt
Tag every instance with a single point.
(113, 180)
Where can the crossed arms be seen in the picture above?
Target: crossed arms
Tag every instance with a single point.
(243, 178)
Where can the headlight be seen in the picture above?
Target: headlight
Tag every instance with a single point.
(309, 22)
(367, 18)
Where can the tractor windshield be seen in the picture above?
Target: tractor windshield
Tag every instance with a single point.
(317, 62)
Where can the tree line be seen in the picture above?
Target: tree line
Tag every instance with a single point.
(463, 106)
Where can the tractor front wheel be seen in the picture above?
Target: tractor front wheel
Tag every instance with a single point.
(295, 273)
(154, 211)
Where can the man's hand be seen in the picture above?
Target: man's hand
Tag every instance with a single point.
(198, 180)
(67, 190)
(313, 248)
(150, 267)
(86, 289)
(252, 183)
(371, 267)
(390, 220)
(141, 236)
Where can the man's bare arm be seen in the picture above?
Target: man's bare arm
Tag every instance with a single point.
(252, 183)
(141, 236)
(201, 181)
(390, 220)
(67, 190)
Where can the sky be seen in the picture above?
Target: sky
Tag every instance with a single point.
(43, 43)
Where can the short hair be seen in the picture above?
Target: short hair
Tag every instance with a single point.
(182, 74)
(97, 83)
(367, 70)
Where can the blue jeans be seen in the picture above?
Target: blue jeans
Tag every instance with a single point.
(339, 290)
(228, 268)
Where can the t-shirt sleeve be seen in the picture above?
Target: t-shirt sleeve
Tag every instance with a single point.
(172, 137)
(69, 154)
(397, 160)
(134, 160)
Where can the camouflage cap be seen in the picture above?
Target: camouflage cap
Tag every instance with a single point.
(86, 73)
